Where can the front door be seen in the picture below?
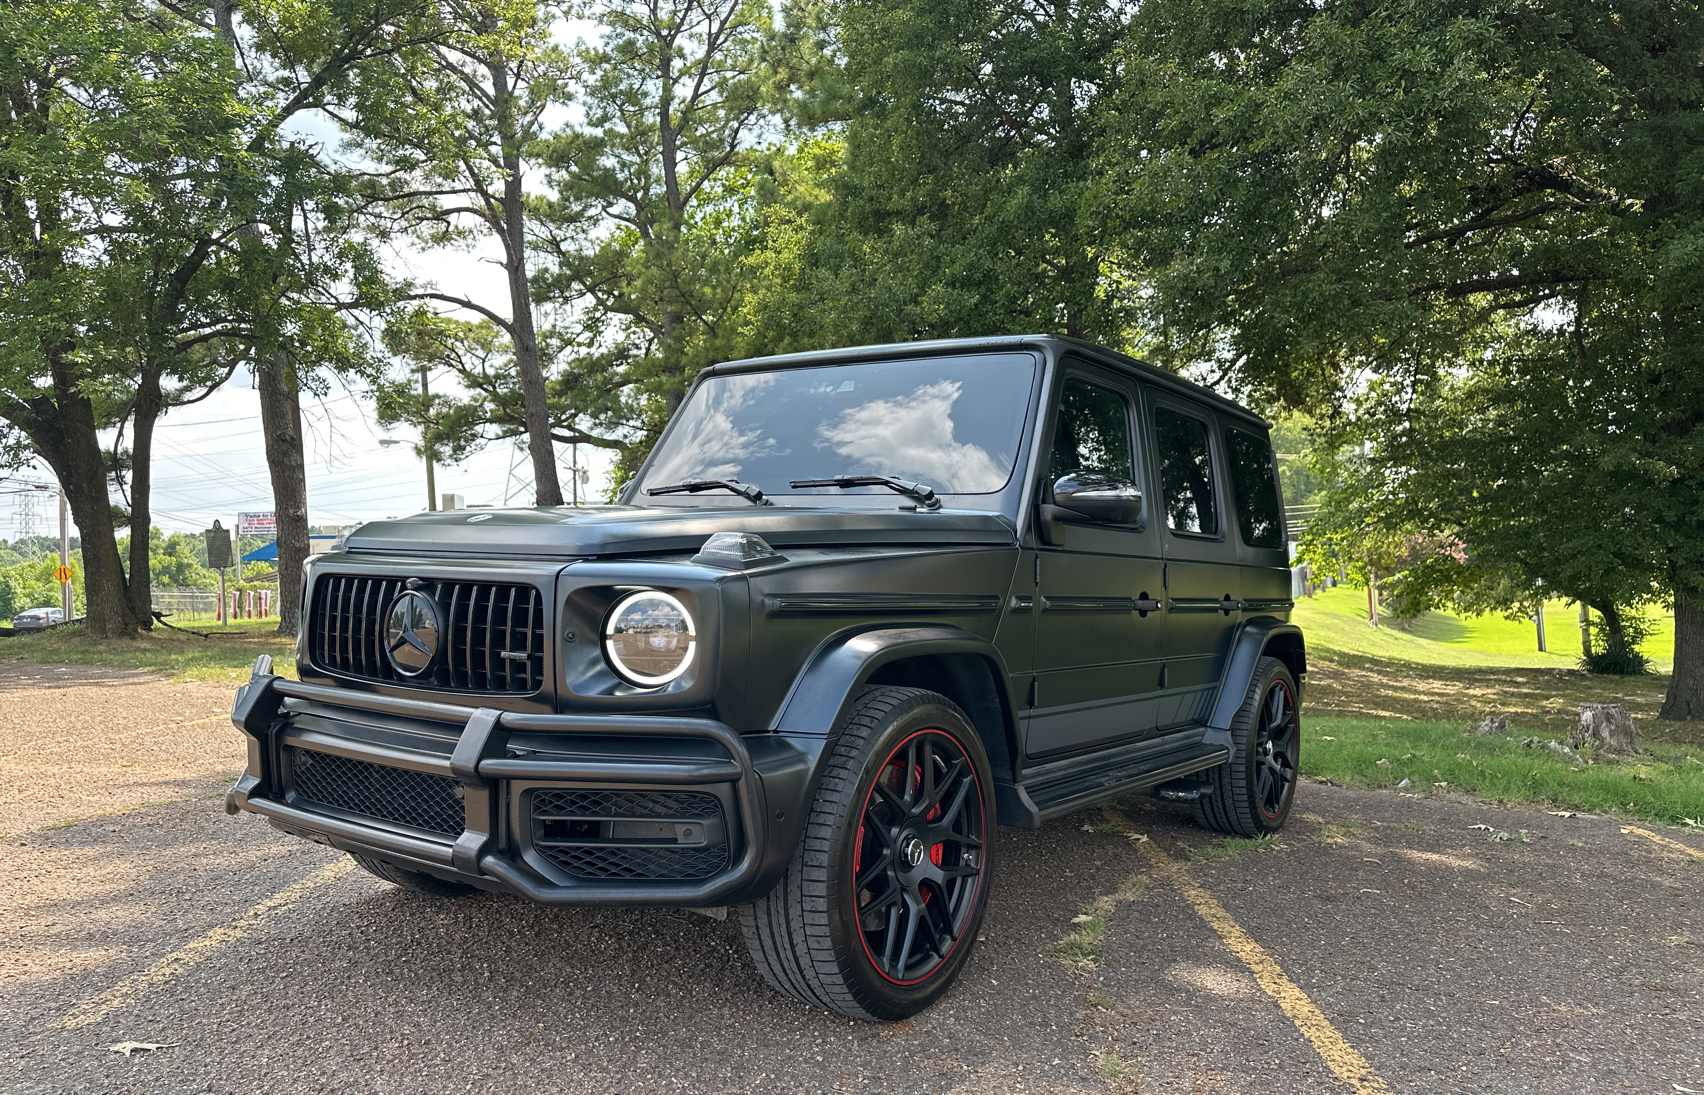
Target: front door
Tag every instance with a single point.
(1097, 625)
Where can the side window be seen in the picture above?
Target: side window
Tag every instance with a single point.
(1255, 488)
(1186, 472)
(1093, 433)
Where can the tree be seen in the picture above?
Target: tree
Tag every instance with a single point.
(146, 198)
(1488, 204)
(964, 200)
(650, 211)
(454, 122)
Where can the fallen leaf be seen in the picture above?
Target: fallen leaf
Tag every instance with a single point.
(1382, 763)
(1081, 919)
(1485, 828)
(127, 1048)
(1326, 737)
(1562, 813)
(1137, 838)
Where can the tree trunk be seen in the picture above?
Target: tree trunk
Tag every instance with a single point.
(281, 424)
(144, 415)
(61, 427)
(1685, 699)
(1612, 625)
(535, 403)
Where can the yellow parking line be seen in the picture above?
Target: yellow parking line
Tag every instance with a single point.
(197, 951)
(1663, 840)
(1342, 1058)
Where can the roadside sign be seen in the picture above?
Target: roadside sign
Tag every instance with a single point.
(218, 546)
(62, 574)
(258, 524)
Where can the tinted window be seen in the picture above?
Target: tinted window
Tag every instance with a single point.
(1093, 432)
(951, 423)
(1186, 472)
(1256, 489)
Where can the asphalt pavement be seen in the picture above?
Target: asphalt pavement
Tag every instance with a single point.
(1445, 945)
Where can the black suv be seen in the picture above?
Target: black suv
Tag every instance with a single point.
(857, 608)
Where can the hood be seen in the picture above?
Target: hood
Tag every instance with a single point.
(570, 531)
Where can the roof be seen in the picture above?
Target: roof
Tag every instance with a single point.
(1049, 344)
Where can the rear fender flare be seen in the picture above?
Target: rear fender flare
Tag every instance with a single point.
(1253, 640)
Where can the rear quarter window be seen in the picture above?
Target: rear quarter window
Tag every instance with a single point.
(1254, 486)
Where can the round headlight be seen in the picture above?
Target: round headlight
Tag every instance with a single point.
(649, 638)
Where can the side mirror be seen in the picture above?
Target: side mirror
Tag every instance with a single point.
(1103, 499)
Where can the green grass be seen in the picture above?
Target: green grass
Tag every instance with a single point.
(228, 655)
(1232, 846)
(1665, 785)
(1409, 696)
(1337, 618)
(1434, 672)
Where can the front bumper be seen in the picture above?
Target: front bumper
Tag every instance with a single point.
(506, 770)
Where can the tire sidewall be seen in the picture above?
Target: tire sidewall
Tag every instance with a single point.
(882, 998)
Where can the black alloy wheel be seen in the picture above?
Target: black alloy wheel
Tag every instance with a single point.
(1253, 791)
(918, 856)
(879, 910)
(1276, 738)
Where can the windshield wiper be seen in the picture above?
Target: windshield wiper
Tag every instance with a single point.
(744, 490)
(925, 497)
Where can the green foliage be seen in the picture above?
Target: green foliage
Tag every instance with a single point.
(959, 199)
(1616, 643)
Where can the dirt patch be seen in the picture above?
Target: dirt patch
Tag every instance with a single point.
(81, 741)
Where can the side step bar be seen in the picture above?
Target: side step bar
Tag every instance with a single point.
(1059, 788)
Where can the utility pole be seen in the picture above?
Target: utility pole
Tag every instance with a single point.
(431, 487)
(67, 601)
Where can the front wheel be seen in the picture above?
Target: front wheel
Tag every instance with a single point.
(1252, 792)
(880, 907)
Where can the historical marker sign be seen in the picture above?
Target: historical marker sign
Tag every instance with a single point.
(218, 547)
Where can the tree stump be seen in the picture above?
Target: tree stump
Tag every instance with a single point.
(1606, 726)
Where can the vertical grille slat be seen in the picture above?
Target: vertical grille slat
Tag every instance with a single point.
(472, 611)
(490, 626)
(532, 607)
(481, 621)
(450, 629)
(509, 642)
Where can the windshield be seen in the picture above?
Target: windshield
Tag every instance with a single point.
(951, 423)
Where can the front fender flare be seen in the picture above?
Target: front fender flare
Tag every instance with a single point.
(824, 690)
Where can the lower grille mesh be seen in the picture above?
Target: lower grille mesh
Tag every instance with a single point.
(399, 795)
(581, 832)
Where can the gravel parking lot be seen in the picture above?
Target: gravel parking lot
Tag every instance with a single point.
(1446, 945)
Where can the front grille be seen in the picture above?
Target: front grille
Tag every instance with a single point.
(399, 795)
(630, 834)
(492, 640)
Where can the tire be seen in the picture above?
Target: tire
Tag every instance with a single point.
(1253, 791)
(418, 881)
(919, 872)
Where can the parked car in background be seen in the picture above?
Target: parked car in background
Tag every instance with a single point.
(37, 618)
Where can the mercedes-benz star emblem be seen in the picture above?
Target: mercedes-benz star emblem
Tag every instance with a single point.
(411, 633)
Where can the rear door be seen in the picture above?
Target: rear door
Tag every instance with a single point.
(1096, 651)
(1201, 572)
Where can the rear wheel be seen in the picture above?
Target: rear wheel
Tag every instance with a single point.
(418, 881)
(880, 907)
(1252, 792)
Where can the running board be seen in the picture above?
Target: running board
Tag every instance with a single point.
(1059, 788)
